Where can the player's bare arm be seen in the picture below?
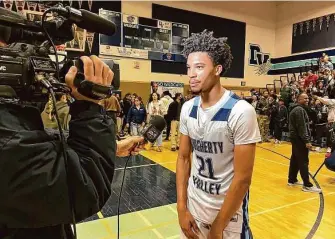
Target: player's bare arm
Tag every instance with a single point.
(186, 221)
(244, 156)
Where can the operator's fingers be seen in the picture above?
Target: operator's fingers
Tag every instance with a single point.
(98, 68)
(88, 68)
(71, 74)
(105, 72)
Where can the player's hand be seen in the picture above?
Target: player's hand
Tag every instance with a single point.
(130, 146)
(188, 224)
(309, 146)
(95, 70)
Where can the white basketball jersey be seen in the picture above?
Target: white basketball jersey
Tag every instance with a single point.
(214, 132)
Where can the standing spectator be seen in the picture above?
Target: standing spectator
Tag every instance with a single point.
(331, 115)
(280, 120)
(328, 77)
(254, 101)
(112, 107)
(174, 115)
(321, 112)
(166, 101)
(126, 104)
(301, 144)
(326, 63)
(263, 116)
(272, 113)
(136, 117)
(286, 93)
(155, 107)
(119, 115)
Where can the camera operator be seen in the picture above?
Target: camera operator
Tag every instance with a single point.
(34, 200)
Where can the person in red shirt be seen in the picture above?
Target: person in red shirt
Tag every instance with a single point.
(311, 78)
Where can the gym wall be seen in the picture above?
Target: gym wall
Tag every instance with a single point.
(289, 13)
(259, 19)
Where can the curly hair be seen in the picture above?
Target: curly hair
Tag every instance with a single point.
(217, 48)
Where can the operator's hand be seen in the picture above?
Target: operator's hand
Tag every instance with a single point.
(95, 71)
(130, 146)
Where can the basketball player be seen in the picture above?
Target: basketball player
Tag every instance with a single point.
(221, 131)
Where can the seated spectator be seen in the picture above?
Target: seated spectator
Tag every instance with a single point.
(302, 81)
(321, 89)
(310, 78)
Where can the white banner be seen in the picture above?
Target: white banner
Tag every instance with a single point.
(123, 51)
(173, 87)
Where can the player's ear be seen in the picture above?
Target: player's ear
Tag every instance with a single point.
(218, 70)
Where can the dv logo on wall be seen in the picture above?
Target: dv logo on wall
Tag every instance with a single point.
(259, 59)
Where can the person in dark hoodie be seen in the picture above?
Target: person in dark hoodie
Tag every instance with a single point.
(301, 143)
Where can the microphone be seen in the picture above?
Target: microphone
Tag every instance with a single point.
(153, 130)
(16, 34)
(87, 20)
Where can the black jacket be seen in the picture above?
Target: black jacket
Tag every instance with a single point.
(137, 116)
(299, 124)
(33, 181)
(281, 115)
(174, 111)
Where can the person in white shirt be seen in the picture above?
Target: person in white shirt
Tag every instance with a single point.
(155, 107)
(221, 131)
(330, 103)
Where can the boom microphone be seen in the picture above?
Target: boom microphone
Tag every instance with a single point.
(153, 130)
(87, 20)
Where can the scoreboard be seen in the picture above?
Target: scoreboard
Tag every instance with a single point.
(144, 38)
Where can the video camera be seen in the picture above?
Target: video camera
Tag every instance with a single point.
(25, 65)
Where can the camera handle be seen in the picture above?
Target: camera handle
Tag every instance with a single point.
(85, 87)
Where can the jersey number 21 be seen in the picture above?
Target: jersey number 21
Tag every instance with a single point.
(206, 167)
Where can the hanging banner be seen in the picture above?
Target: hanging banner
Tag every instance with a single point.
(90, 39)
(20, 6)
(79, 41)
(173, 87)
(8, 4)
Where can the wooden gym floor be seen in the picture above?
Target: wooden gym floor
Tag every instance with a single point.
(276, 211)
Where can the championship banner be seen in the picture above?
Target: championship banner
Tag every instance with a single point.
(8, 4)
(79, 41)
(173, 87)
(20, 6)
(90, 39)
